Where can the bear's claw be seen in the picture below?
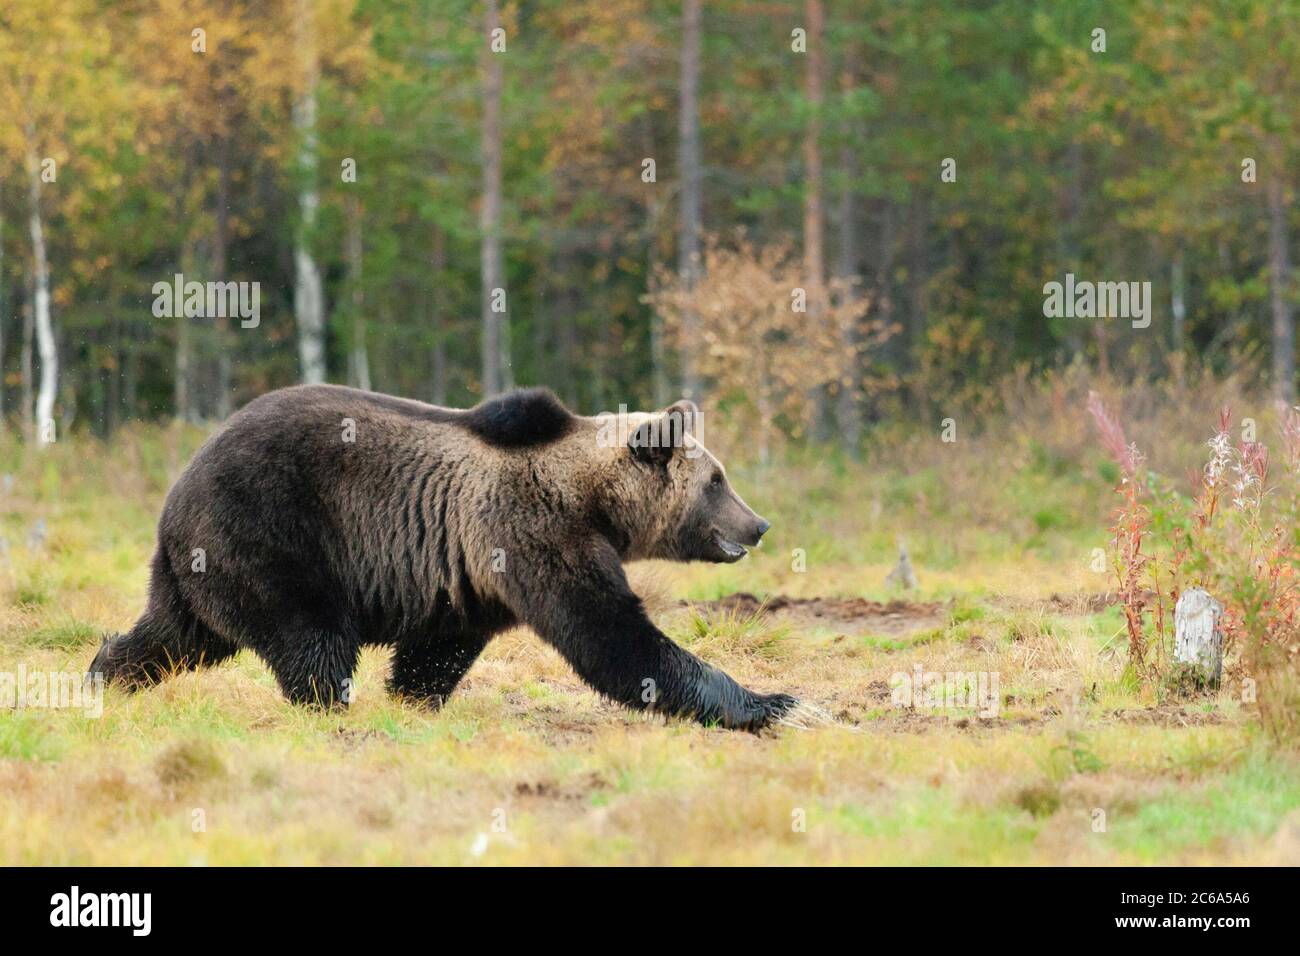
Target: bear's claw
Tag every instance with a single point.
(761, 710)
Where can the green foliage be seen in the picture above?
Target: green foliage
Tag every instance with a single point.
(161, 150)
(1072, 756)
(67, 635)
(1041, 800)
(24, 737)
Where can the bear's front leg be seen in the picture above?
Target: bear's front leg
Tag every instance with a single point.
(710, 696)
(429, 663)
(600, 627)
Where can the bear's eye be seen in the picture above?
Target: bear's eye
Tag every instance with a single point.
(716, 480)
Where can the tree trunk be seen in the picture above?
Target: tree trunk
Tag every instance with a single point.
(41, 302)
(29, 328)
(813, 213)
(68, 388)
(112, 411)
(1178, 299)
(439, 396)
(220, 241)
(1069, 234)
(183, 386)
(886, 248)
(2, 313)
(659, 361)
(113, 398)
(764, 402)
(918, 271)
(567, 354)
(439, 317)
(439, 372)
(689, 196)
(1198, 637)
(847, 413)
(1279, 282)
(1103, 350)
(359, 364)
(308, 298)
(813, 226)
(130, 378)
(496, 325)
(541, 328)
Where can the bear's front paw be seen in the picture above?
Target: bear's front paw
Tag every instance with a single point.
(761, 710)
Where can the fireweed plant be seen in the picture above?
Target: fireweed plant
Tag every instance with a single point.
(1238, 537)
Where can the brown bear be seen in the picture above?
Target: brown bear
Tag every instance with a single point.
(320, 519)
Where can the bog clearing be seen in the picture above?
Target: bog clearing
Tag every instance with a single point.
(990, 715)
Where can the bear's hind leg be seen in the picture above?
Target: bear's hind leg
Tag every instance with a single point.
(314, 667)
(157, 647)
(167, 638)
(428, 666)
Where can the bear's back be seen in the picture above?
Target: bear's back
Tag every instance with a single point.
(332, 466)
(521, 418)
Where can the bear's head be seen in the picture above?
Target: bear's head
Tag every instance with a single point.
(693, 512)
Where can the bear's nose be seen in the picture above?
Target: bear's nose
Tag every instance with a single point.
(763, 525)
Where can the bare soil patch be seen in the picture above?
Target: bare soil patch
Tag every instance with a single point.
(1169, 715)
(852, 615)
(1080, 603)
(896, 618)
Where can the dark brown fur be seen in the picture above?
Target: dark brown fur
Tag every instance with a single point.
(432, 531)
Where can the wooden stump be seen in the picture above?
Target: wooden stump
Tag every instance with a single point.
(1198, 639)
(902, 576)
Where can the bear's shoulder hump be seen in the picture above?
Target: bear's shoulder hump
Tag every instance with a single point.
(521, 418)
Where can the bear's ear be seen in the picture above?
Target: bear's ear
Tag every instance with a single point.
(683, 416)
(653, 441)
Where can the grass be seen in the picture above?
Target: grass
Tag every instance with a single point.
(525, 765)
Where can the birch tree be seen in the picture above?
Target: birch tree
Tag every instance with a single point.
(44, 84)
(308, 296)
(45, 343)
(496, 323)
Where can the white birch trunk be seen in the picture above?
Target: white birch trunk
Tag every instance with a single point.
(25, 360)
(308, 298)
(44, 325)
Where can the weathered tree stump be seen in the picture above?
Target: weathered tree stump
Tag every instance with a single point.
(1198, 640)
(902, 576)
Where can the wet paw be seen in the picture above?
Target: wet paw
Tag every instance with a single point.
(762, 710)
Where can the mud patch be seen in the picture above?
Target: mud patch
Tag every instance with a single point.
(896, 618)
(910, 721)
(850, 615)
(1169, 715)
(1069, 604)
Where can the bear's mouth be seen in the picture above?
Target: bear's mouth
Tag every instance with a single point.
(731, 551)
